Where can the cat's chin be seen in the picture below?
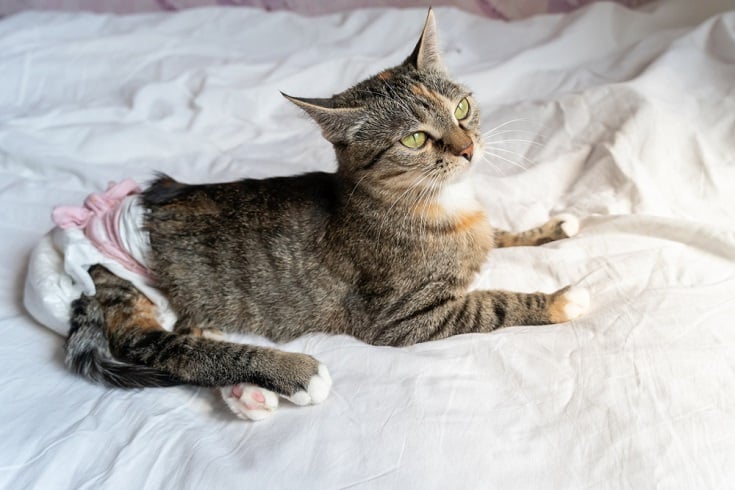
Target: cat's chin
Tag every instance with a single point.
(460, 174)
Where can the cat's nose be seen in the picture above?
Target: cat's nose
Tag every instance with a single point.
(467, 151)
(460, 144)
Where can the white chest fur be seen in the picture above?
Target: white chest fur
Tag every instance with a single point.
(459, 197)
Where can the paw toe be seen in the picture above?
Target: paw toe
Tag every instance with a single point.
(316, 391)
(578, 302)
(569, 304)
(569, 224)
(320, 385)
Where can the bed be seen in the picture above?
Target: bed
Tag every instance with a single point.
(625, 118)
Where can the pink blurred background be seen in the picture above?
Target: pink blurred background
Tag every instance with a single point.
(500, 9)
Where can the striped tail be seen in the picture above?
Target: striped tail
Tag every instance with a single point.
(88, 352)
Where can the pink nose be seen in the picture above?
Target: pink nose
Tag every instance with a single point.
(467, 151)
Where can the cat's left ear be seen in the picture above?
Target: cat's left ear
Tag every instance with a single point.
(338, 123)
(426, 54)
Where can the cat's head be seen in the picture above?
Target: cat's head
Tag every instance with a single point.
(409, 126)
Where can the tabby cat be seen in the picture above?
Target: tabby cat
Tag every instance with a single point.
(384, 249)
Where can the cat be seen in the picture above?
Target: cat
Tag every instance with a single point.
(384, 249)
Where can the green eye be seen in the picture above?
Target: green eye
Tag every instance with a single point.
(414, 140)
(463, 108)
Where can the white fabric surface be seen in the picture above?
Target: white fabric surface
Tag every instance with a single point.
(634, 116)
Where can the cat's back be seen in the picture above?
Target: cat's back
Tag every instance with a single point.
(263, 201)
(229, 225)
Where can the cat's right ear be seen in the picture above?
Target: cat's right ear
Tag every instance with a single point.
(426, 56)
(338, 123)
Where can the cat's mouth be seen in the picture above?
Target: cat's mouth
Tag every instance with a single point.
(461, 165)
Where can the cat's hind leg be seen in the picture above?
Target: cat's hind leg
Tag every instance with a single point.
(115, 338)
(246, 400)
(253, 402)
(249, 401)
(87, 349)
(557, 228)
(208, 333)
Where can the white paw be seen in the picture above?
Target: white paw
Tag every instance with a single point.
(249, 401)
(317, 391)
(577, 302)
(569, 223)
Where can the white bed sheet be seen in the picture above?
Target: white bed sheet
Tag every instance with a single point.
(632, 115)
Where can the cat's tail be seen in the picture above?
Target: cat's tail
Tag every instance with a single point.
(88, 352)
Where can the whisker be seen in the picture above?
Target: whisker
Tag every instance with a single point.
(425, 199)
(355, 188)
(410, 215)
(516, 141)
(509, 161)
(506, 123)
(383, 222)
(494, 166)
(531, 162)
(505, 131)
(434, 189)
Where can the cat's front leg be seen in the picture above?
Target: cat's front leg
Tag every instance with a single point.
(557, 228)
(483, 311)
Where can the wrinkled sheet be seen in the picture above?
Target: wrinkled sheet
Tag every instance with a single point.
(624, 118)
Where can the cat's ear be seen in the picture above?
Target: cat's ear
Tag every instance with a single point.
(338, 123)
(426, 54)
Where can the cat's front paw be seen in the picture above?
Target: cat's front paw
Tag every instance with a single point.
(249, 401)
(316, 390)
(569, 303)
(563, 226)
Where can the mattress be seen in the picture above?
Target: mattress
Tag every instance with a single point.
(623, 118)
